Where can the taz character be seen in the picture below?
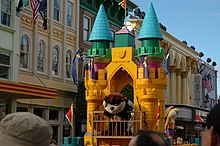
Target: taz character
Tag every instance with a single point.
(116, 109)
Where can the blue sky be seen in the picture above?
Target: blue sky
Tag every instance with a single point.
(196, 21)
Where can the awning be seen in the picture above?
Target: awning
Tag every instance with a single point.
(20, 90)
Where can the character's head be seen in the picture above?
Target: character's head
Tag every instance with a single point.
(114, 103)
(172, 112)
(211, 136)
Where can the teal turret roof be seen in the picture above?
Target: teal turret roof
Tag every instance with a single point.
(150, 27)
(101, 30)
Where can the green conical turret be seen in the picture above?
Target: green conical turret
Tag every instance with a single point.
(101, 36)
(150, 35)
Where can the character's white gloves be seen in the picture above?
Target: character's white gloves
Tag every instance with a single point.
(180, 127)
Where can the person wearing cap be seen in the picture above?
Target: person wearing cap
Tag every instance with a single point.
(211, 135)
(24, 129)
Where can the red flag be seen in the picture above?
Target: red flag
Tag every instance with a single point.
(123, 4)
(69, 115)
(35, 7)
(198, 118)
(158, 113)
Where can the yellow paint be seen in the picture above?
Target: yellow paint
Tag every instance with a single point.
(120, 72)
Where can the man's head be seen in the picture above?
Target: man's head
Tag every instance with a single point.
(24, 129)
(147, 138)
(212, 130)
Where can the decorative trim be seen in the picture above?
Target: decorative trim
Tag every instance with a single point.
(21, 90)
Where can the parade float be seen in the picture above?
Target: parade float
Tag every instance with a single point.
(111, 69)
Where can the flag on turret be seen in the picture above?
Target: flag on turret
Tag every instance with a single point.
(158, 113)
(123, 4)
(144, 65)
(77, 57)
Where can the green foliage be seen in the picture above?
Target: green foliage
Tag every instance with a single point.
(128, 91)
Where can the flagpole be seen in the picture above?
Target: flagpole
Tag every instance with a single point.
(125, 12)
(73, 115)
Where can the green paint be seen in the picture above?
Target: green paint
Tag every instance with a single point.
(124, 40)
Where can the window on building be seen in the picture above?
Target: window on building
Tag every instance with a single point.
(56, 14)
(39, 112)
(41, 57)
(4, 106)
(6, 12)
(66, 131)
(68, 64)
(4, 64)
(55, 65)
(54, 115)
(55, 134)
(86, 26)
(24, 52)
(69, 14)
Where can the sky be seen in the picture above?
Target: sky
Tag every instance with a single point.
(196, 21)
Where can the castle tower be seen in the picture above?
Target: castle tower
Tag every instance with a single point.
(101, 37)
(124, 38)
(151, 82)
(100, 56)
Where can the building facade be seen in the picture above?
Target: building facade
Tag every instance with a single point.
(10, 88)
(45, 59)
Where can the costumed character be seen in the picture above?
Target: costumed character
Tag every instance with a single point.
(171, 113)
(117, 107)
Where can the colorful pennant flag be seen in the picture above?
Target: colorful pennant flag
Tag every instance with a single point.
(167, 62)
(144, 62)
(123, 4)
(78, 56)
(92, 69)
(69, 115)
(158, 113)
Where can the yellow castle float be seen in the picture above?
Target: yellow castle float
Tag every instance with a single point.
(110, 70)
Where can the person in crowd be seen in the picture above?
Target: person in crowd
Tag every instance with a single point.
(211, 135)
(24, 129)
(147, 138)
